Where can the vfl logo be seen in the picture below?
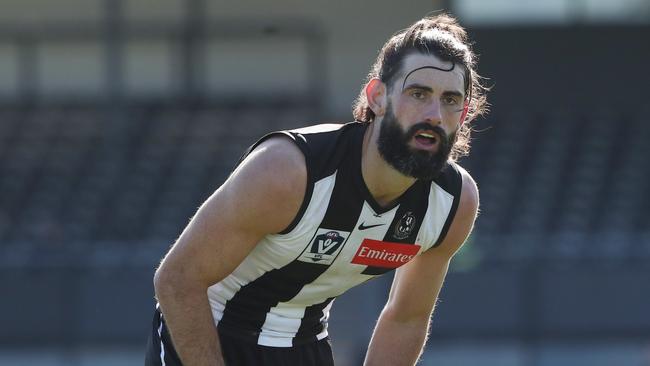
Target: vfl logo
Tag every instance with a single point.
(324, 247)
(404, 226)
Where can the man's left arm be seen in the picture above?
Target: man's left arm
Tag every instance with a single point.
(403, 325)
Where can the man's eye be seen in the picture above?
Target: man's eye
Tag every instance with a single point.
(417, 95)
(449, 100)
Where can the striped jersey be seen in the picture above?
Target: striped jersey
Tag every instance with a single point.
(282, 292)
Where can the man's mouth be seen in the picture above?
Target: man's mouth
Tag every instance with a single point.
(427, 138)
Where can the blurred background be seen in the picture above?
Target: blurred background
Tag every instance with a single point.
(119, 117)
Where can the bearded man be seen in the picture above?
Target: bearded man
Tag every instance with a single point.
(309, 213)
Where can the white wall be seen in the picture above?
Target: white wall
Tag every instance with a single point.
(355, 31)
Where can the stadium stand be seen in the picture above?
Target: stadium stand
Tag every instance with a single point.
(555, 186)
(562, 186)
(74, 187)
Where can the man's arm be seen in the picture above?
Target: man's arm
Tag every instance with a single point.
(402, 328)
(262, 196)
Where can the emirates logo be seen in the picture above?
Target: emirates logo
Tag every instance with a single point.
(384, 254)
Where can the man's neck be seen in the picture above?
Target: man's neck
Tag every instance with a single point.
(384, 182)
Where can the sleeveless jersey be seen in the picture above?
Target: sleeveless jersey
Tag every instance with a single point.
(281, 294)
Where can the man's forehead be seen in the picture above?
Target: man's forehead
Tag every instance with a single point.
(428, 69)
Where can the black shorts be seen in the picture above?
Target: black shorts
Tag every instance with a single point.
(160, 351)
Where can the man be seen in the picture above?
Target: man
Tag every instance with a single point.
(309, 213)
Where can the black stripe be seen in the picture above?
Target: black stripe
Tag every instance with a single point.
(152, 357)
(451, 181)
(171, 357)
(311, 324)
(415, 202)
(246, 312)
(326, 150)
(345, 204)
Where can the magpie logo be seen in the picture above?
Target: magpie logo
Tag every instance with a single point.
(404, 226)
(364, 227)
(324, 248)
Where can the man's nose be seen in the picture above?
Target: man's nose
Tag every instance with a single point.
(433, 114)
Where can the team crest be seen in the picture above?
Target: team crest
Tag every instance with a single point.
(324, 248)
(404, 226)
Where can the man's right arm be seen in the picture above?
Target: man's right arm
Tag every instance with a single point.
(261, 196)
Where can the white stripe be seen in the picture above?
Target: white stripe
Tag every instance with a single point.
(440, 203)
(162, 346)
(271, 340)
(322, 335)
(325, 319)
(326, 313)
(324, 127)
(282, 321)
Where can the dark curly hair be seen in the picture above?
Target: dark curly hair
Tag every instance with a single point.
(444, 37)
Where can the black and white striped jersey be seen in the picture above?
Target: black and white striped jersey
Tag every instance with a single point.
(281, 294)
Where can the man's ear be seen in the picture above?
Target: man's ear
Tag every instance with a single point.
(376, 96)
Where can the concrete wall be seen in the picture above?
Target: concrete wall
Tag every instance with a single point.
(354, 31)
(534, 66)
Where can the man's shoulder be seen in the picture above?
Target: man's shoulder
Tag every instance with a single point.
(464, 208)
(324, 133)
(318, 128)
(469, 186)
(450, 179)
(280, 149)
(314, 136)
(464, 184)
(468, 201)
(455, 179)
(326, 146)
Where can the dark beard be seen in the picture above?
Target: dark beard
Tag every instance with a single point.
(393, 147)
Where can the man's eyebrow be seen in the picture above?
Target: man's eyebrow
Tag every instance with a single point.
(419, 86)
(448, 93)
(453, 93)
